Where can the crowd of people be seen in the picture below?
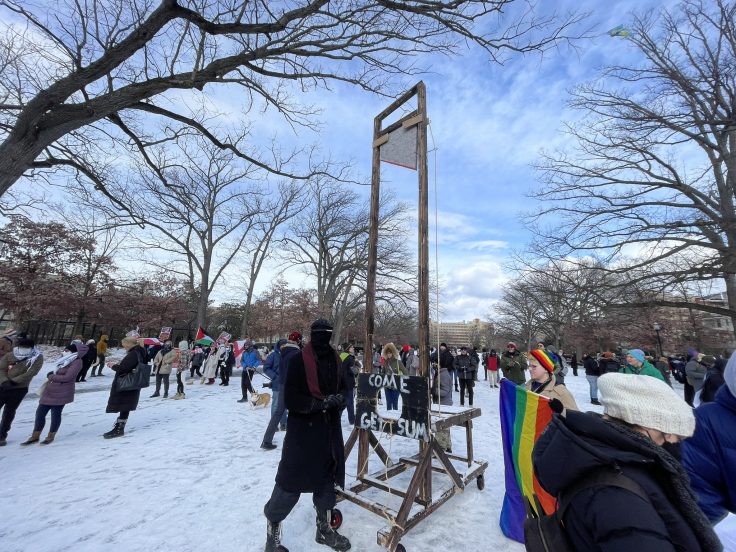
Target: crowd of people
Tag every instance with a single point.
(650, 473)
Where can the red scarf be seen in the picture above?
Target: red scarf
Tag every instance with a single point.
(309, 358)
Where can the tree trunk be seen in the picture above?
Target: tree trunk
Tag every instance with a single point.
(204, 299)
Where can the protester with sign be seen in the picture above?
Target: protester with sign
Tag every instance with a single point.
(313, 457)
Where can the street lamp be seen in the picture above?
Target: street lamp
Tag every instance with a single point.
(656, 327)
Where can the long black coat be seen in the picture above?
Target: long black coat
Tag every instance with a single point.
(124, 401)
(313, 455)
(610, 518)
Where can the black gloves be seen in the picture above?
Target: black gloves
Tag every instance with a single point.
(556, 406)
(333, 401)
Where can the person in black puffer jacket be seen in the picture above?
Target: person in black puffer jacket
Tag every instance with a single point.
(644, 419)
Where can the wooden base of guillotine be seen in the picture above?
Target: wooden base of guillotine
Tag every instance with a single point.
(431, 458)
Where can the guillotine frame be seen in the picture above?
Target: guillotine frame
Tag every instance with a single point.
(419, 490)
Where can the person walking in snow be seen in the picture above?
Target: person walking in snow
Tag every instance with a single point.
(312, 459)
(123, 402)
(17, 369)
(291, 347)
(164, 363)
(57, 392)
(101, 351)
(180, 365)
(636, 363)
(250, 361)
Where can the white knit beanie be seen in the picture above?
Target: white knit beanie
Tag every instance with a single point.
(647, 402)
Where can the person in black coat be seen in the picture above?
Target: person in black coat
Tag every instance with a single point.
(123, 402)
(349, 370)
(643, 422)
(312, 459)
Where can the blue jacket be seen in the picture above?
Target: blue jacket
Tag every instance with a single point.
(272, 364)
(709, 456)
(250, 359)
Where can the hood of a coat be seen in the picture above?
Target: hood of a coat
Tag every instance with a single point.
(280, 343)
(572, 446)
(729, 374)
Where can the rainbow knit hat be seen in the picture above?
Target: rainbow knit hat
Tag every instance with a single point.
(543, 358)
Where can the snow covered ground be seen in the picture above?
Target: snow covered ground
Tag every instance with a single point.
(190, 476)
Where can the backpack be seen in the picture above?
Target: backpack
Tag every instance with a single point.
(546, 533)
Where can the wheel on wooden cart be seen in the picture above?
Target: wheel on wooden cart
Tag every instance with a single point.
(336, 520)
(481, 482)
(400, 548)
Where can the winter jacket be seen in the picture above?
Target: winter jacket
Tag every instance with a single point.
(197, 359)
(271, 367)
(102, 345)
(212, 362)
(492, 363)
(313, 454)
(124, 401)
(608, 365)
(250, 359)
(393, 366)
(513, 366)
(60, 387)
(612, 519)
(646, 369)
(713, 381)
(91, 355)
(164, 360)
(591, 366)
(288, 350)
(695, 373)
(22, 372)
(664, 369)
(466, 367)
(6, 346)
(445, 378)
(446, 360)
(348, 367)
(553, 390)
(709, 456)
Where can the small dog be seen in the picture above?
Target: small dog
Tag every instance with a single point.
(260, 400)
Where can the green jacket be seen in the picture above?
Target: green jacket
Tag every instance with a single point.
(513, 367)
(22, 371)
(645, 370)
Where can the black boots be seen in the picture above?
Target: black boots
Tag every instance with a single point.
(327, 535)
(118, 430)
(267, 446)
(273, 538)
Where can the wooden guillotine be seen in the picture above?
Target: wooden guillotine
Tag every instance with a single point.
(404, 143)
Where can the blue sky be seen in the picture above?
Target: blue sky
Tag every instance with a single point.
(489, 124)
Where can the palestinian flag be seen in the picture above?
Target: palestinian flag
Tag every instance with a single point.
(202, 338)
(524, 415)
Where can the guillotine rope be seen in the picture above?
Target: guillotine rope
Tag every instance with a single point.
(436, 261)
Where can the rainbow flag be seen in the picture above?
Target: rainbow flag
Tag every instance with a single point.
(524, 415)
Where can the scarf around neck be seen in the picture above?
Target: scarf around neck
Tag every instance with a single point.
(66, 360)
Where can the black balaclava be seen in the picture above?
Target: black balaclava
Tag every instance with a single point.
(320, 335)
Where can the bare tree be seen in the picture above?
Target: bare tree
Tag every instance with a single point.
(200, 206)
(650, 188)
(329, 241)
(76, 76)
